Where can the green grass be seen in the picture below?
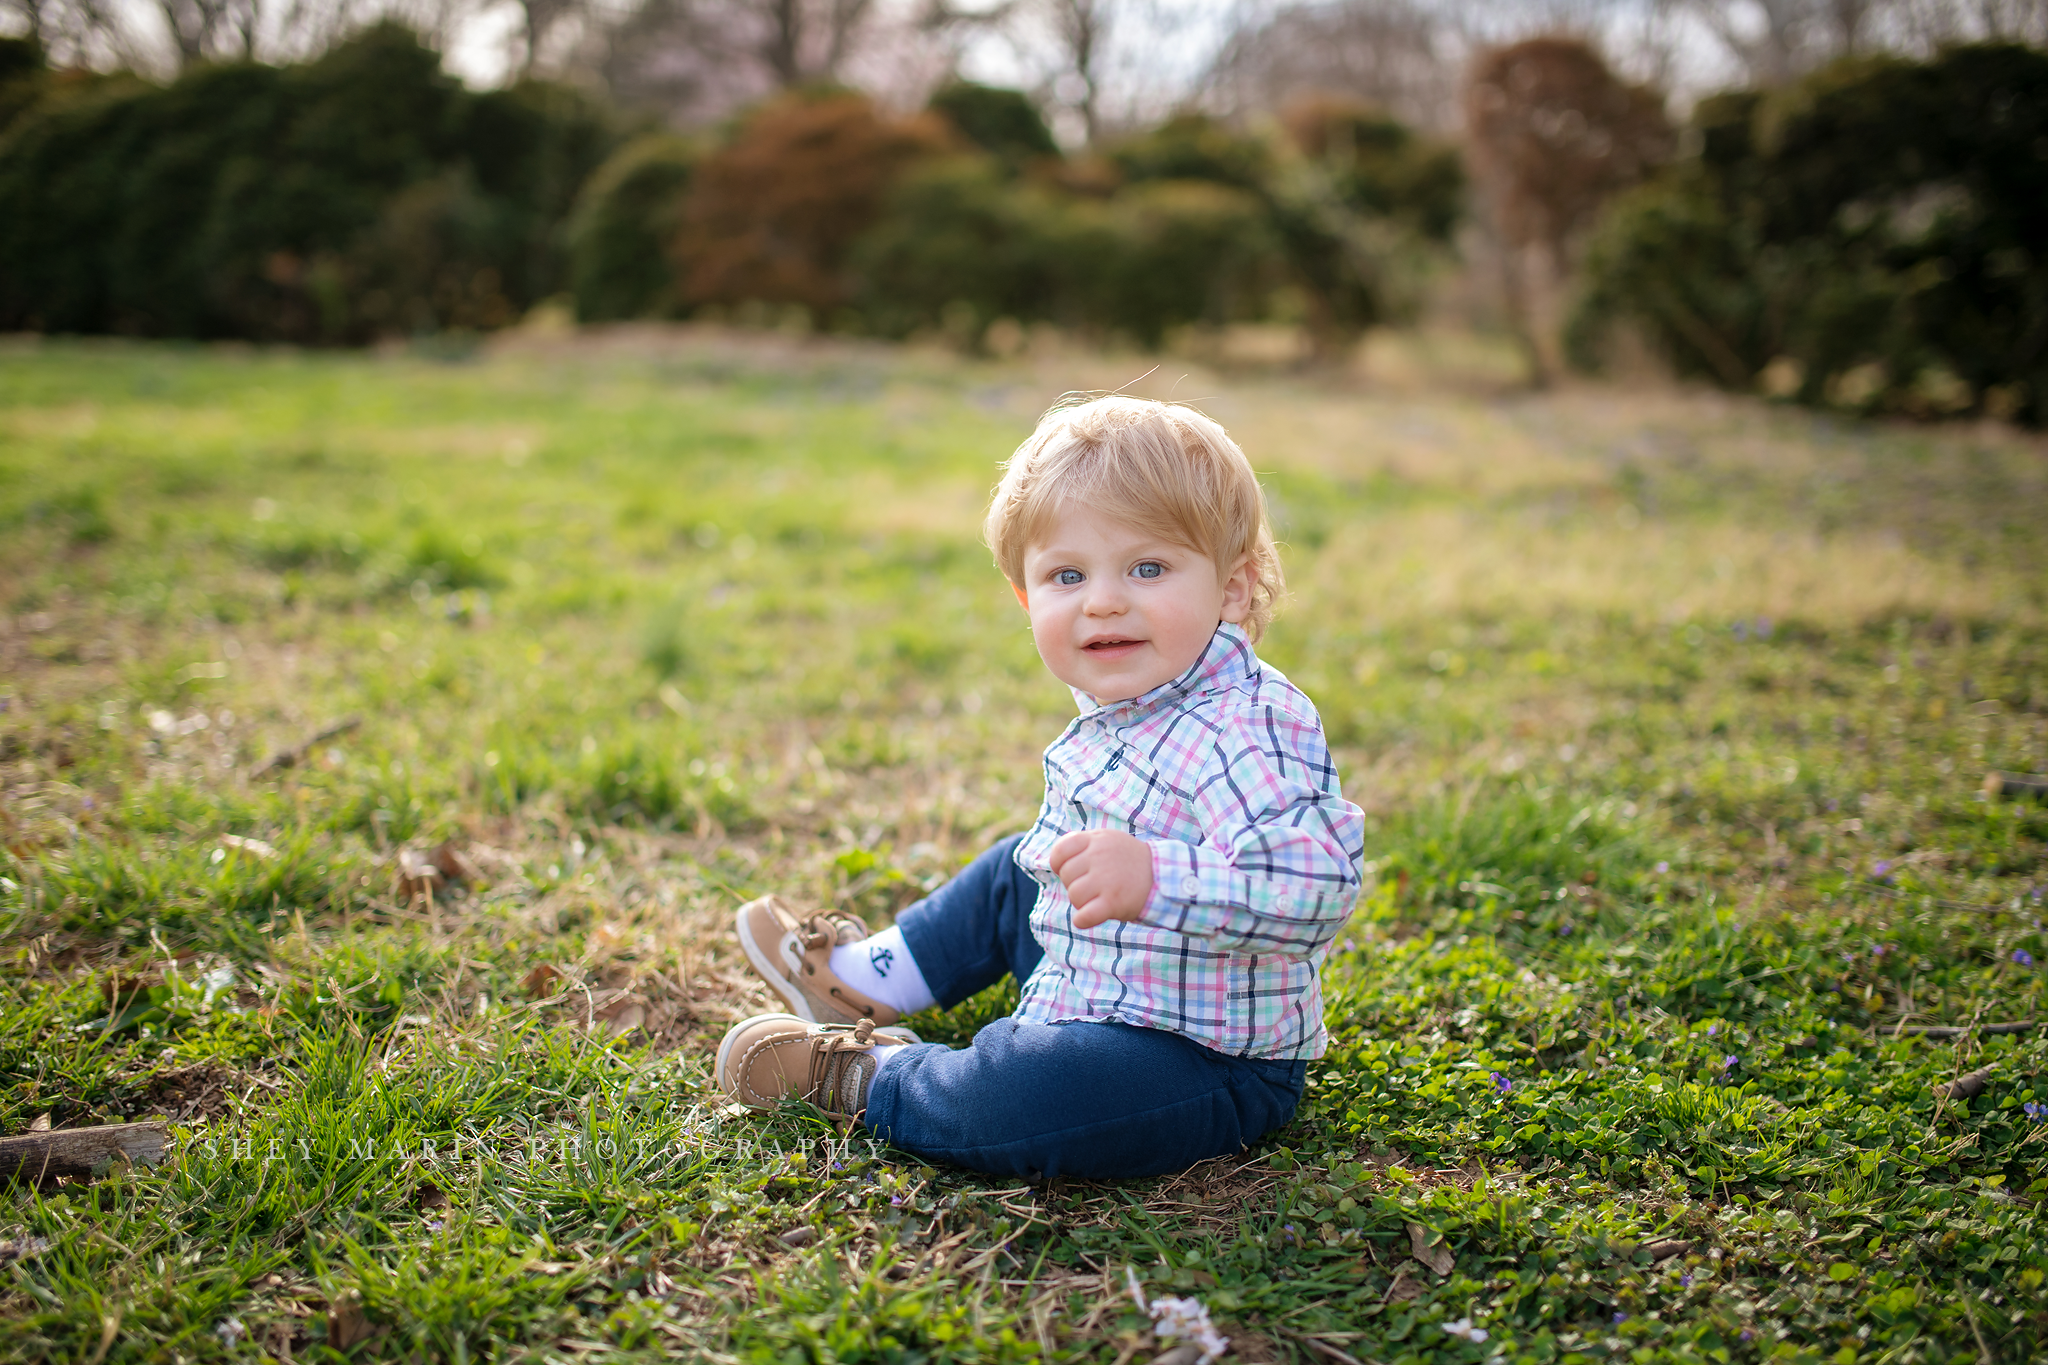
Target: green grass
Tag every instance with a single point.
(1669, 715)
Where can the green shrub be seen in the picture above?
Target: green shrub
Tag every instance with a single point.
(1188, 251)
(962, 243)
(362, 193)
(1872, 237)
(1003, 123)
(625, 221)
(1195, 147)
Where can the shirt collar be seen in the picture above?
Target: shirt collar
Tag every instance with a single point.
(1227, 657)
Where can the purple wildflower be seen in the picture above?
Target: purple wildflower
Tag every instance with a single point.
(1663, 867)
(1713, 1029)
(895, 1201)
(2023, 957)
(1881, 868)
(1621, 1317)
(1501, 1083)
(1728, 1062)
(1747, 1334)
(2035, 1111)
(1685, 1281)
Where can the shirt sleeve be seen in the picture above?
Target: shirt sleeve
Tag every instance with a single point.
(1279, 867)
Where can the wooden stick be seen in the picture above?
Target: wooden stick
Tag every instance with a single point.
(1964, 1086)
(1959, 1030)
(2013, 786)
(288, 758)
(80, 1151)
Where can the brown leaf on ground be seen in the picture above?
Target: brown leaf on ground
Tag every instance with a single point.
(431, 1196)
(1437, 1258)
(1669, 1247)
(621, 1016)
(452, 863)
(1404, 1289)
(541, 980)
(41, 1124)
(797, 1237)
(347, 1324)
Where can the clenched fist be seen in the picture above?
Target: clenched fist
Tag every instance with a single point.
(1107, 873)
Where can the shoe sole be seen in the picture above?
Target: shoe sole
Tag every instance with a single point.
(769, 968)
(725, 1044)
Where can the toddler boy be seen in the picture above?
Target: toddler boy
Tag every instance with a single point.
(1168, 912)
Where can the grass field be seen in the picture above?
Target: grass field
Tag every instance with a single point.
(1669, 713)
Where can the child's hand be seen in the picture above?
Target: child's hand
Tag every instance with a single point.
(1107, 873)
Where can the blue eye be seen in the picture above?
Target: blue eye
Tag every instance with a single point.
(1151, 568)
(1067, 578)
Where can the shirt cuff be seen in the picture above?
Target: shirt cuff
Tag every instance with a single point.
(1176, 886)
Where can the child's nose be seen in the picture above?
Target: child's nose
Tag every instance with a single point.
(1105, 597)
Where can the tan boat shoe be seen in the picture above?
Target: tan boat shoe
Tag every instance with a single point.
(793, 954)
(775, 1057)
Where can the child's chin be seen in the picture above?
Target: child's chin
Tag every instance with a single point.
(1116, 685)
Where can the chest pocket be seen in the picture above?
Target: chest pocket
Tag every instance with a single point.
(1129, 793)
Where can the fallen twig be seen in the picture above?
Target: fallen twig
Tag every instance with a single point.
(292, 757)
(1960, 1030)
(1963, 1087)
(1966, 906)
(2013, 786)
(80, 1151)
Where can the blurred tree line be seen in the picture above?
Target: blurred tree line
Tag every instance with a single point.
(366, 193)
(1856, 226)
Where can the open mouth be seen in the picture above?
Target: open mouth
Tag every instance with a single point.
(1111, 646)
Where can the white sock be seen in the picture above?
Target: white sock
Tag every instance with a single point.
(882, 968)
(885, 1055)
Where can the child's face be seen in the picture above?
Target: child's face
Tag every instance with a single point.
(1116, 612)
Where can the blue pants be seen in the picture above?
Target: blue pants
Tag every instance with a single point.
(1096, 1100)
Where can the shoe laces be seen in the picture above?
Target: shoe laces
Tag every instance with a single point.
(829, 1062)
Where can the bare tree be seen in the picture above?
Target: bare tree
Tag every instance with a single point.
(210, 29)
(1393, 53)
(79, 33)
(1551, 134)
(1082, 30)
(698, 60)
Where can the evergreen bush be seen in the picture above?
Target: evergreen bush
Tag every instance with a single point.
(621, 237)
(1003, 123)
(356, 195)
(1874, 237)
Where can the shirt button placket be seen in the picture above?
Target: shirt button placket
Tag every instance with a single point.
(1190, 884)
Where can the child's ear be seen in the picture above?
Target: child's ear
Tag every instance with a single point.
(1238, 587)
(1022, 600)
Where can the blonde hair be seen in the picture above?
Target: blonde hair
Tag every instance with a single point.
(1162, 467)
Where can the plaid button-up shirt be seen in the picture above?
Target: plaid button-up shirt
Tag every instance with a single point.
(1257, 859)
